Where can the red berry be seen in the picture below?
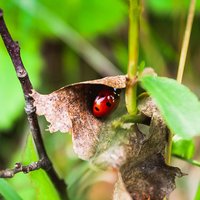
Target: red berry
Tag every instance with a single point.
(105, 102)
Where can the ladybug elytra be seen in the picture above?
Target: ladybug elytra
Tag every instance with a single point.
(105, 102)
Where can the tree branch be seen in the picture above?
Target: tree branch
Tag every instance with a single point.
(9, 173)
(14, 52)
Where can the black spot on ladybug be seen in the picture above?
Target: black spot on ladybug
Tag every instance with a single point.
(108, 104)
(96, 109)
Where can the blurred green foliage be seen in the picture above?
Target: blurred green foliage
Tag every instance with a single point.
(197, 196)
(170, 7)
(56, 40)
(90, 18)
(79, 14)
(183, 148)
(35, 185)
(7, 191)
(39, 180)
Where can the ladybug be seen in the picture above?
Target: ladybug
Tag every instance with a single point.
(106, 101)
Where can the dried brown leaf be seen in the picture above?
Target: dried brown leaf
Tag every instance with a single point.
(69, 109)
(137, 150)
(150, 178)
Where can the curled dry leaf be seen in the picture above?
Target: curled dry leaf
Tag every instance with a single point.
(70, 109)
(136, 150)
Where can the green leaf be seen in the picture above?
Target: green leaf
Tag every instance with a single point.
(183, 148)
(197, 196)
(44, 188)
(179, 107)
(7, 191)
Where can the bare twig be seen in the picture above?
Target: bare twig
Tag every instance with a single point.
(14, 52)
(9, 173)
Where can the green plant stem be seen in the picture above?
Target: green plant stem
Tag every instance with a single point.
(169, 148)
(134, 15)
(186, 40)
(193, 162)
(181, 66)
(140, 119)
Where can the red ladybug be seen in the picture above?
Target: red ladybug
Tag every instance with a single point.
(105, 102)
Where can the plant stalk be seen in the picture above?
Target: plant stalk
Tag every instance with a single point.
(186, 40)
(134, 17)
(181, 66)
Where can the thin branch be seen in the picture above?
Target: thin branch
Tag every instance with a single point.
(193, 162)
(186, 40)
(9, 173)
(14, 52)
